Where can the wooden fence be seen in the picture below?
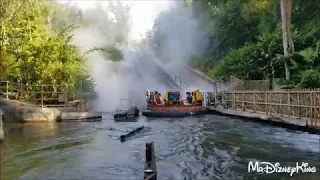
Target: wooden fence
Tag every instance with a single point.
(43, 95)
(297, 104)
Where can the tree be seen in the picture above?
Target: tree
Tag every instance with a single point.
(31, 52)
(112, 20)
(288, 46)
(244, 42)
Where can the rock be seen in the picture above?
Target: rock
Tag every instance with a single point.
(39, 114)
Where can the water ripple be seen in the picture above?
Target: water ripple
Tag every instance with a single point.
(197, 148)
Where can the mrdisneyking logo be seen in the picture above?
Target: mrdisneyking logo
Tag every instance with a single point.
(269, 168)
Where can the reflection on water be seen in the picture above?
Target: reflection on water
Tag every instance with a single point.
(210, 147)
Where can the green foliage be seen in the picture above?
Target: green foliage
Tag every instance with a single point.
(238, 63)
(246, 39)
(113, 22)
(111, 53)
(286, 84)
(202, 64)
(33, 51)
(83, 83)
(310, 79)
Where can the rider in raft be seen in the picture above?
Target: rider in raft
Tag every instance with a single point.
(158, 99)
(189, 98)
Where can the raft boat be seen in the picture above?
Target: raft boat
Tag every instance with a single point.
(174, 106)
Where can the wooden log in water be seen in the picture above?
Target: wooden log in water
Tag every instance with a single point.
(131, 133)
(81, 116)
(150, 171)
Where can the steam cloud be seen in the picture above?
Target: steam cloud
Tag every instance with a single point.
(175, 37)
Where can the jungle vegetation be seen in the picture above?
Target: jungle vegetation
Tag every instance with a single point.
(247, 41)
(36, 41)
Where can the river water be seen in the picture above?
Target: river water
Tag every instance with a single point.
(207, 147)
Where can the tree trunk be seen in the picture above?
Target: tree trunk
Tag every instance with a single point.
(288, 46)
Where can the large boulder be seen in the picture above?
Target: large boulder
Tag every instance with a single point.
(23, 112)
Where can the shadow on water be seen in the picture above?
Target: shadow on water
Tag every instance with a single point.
(208, 147)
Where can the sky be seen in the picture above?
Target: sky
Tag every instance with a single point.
(143, 12)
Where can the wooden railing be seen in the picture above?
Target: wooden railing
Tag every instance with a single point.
(42, 95)
(297, 104)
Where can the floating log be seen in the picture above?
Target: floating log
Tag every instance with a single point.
(150, 171)
(81, 116)
(131, 133)
(125, 115)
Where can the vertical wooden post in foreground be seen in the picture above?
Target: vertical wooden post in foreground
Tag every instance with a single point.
(150, 171)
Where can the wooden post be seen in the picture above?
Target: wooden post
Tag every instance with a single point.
(1, 131)
(266, 101)
(254, 102)
(311, 109)
(215, 92)
(65, 97)
(81, 98)
(233, 100)
(280, 111)
(242, 97)
(289, 97)
(150, 171)
(299, 108)
(21, 91)
(7, 90)
(41, 95)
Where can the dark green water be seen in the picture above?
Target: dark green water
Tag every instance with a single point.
(206, 148)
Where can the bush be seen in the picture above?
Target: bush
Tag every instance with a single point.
(202, 64)
(237, 62)
(310, 79)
